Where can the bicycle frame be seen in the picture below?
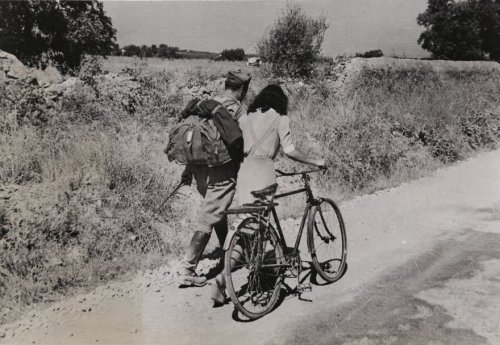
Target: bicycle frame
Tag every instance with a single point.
(310, 202)
(264, 210)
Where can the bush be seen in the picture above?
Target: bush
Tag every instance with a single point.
(394, 125)
(237, 54)
(91, 179)
(371, 54)
(293, 44)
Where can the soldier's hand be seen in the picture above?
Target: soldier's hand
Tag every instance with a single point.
(187, 177)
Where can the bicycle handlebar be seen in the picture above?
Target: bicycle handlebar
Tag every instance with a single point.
(295, 173)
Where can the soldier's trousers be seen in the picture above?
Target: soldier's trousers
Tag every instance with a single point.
(217, 185)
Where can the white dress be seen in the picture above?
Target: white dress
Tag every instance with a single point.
(263, 134)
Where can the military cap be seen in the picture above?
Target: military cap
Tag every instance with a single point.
(237, 78)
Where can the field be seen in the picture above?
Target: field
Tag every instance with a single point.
(83, 177)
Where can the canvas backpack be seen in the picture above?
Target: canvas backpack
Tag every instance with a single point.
(197, 141)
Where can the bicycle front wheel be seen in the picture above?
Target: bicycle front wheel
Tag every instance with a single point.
(326, 239)
(254, 268)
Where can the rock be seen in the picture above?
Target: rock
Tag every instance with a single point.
(12, 67)
(48, 76)
(66, 86)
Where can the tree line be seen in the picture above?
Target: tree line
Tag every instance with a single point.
(144, 51)
(165, 51)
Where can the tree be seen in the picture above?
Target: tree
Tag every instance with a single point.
(164, 51)
(144, 51)
(371, 54)
(61, 32)
(116, 50)
(154, 50)
(293, 44)
(132, 50)
(237, 54)
(461, 30)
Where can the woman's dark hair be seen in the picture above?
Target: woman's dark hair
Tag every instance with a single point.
(272, 96)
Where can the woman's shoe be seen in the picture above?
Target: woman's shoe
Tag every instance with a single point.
(219, 291)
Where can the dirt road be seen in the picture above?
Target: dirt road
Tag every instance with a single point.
(424, 262)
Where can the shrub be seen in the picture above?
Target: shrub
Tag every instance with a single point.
(293, 44)
(371, 54)
(393, 125)
(237, 54)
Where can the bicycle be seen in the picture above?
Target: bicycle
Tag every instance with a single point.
(258, 259)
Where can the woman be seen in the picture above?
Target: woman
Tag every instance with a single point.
(265, 129)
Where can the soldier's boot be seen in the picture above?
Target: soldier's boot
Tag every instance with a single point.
(188, 277)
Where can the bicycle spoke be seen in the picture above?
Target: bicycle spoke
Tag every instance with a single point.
(327, 241)
(254, 281)
(325, 225)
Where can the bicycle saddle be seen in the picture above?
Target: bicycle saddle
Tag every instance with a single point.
(265, 191)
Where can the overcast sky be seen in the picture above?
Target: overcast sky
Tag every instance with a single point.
(355, 25)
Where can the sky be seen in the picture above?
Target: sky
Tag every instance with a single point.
(355, 25)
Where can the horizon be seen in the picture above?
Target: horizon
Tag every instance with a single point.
(355, 26)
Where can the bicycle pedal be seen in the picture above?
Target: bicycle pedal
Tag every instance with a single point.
(304, 288)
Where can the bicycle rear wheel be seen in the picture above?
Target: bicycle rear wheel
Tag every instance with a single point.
(254, 268)
(326, 239)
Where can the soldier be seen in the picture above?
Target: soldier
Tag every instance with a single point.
(216, 185)
(235, 90)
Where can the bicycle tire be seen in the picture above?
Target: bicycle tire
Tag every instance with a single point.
(323, 240)
(251, 283)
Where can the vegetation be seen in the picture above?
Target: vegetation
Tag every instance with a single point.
(84, 181)
(392, 126)
(161, 51)
(461, 30)
(87, 177)
(293, 44)
(237, 54)
(165, 51)
(371, 54)
(57, 32)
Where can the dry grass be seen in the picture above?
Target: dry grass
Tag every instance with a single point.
(182, 69)
(81, 190)
(391, 126)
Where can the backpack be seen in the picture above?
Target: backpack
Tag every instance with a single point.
(197, 141)
(227, 103)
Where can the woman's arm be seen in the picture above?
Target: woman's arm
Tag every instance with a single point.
(290, 150)
(298, 156)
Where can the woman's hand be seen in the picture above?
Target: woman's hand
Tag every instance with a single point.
(298, 156)
(321, 163)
